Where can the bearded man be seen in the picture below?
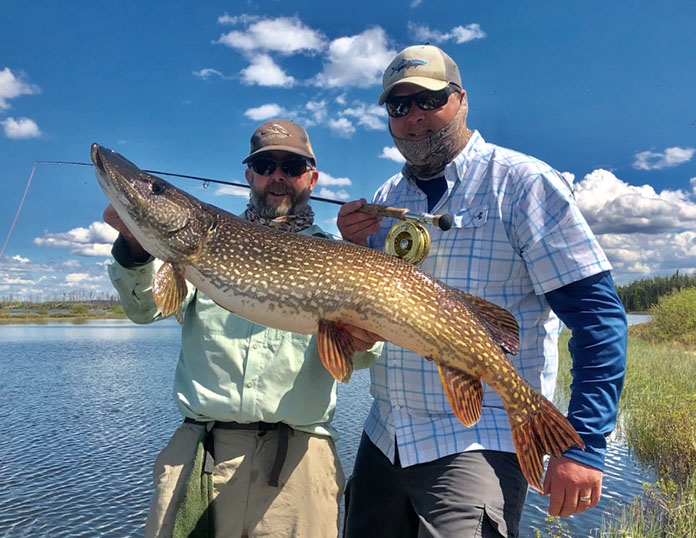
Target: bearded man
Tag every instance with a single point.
(255, 454)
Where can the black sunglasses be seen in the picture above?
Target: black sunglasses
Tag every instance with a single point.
(289, 167)
(398, 107)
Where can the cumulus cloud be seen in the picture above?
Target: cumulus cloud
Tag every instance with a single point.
(458, 34)
(263, 71)
(341, 194)
(613, 206)
(371, 117)
(96, 240)
(265, 112)
(341, 127)
(326, 180)
(12, 86)
(283, 35)
(649, 160)
(643, 232)
(356, 61)
(17, 129)
(393, 154)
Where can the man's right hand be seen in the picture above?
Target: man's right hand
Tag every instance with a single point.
(135, 249)
(354, 225)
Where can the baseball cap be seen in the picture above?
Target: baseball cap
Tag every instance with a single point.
(280, 135)
(423, 65)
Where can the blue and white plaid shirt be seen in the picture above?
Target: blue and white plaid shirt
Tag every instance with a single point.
(517, 234)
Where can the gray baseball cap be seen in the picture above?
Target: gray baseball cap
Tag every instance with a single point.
(281, 135)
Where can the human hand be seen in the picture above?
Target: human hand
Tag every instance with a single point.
(568, 482)
(362, 339)
(135, 249)
(354, 225)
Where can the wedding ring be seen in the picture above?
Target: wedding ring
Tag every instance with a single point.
(586, 498)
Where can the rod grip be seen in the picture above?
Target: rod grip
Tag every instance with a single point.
(384, 211)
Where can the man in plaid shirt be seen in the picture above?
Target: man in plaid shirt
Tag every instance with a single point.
(518, 240)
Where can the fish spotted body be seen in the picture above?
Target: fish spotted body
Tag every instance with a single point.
(305, 284)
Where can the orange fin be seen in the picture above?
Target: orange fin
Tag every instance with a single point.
(500, 323)
(169, 290)
(546, 431)
(464, 392)
(335, 350)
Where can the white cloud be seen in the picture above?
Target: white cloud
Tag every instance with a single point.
(326, 180)
(283, 35)
(341, 127)
(331, 194)
(356, 61)
(93, 241)
(458, 34)
(207, 72)
(265, 72)
(371, 117)
(20, 128)
(265, 112)
(649, 160)
(12, 86)
(392, 154)
(613, 206)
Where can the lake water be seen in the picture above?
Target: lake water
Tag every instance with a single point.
(89, 406)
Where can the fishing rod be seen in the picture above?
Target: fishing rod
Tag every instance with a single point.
(444, 221)
(408, 240)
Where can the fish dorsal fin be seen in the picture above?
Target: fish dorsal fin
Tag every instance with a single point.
(335, 350)
(501, 324)
(464, 392)
(169, 290)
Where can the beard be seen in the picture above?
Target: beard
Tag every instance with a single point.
(270, 208)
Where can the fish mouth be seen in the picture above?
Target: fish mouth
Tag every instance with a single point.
(96, 157)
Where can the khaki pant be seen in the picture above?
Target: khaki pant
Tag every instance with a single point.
(305, 505)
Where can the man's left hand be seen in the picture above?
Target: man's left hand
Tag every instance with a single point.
(569, 484)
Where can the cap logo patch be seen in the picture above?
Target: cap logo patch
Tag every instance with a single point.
(275, 131)
(405, 63)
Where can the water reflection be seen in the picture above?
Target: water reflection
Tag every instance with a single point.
(88, 407)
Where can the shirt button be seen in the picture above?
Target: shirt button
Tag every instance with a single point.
(393, 363)
(397, 407)
(249, 384)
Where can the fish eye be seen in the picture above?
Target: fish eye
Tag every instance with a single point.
(158, 188)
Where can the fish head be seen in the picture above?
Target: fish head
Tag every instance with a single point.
(169, 223)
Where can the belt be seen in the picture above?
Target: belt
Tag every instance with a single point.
(261, 428)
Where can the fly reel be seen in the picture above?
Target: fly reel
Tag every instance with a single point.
(408, 240)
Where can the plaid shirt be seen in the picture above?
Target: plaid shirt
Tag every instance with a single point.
(517, 234)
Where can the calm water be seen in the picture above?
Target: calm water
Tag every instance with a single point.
(88, 407)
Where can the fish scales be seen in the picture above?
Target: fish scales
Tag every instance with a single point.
(305, 284)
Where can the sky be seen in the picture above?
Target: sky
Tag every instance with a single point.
(605, 92)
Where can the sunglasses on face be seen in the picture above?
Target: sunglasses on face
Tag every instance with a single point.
(397, 107)
(289, 167)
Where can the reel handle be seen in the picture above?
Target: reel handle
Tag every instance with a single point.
(444, 221)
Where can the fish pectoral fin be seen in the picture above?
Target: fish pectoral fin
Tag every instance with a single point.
(500, 323)
(169, 290)
(335, 350)
(464, 392)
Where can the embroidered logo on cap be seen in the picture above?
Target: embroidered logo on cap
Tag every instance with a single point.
(405, 63)
(275, 131)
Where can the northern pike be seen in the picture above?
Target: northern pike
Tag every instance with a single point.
(307, 285)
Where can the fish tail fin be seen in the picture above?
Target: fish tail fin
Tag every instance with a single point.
(546, 431)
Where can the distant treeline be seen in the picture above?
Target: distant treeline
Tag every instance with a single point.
(640, 295)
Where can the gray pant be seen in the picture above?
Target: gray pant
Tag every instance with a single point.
(472, 494)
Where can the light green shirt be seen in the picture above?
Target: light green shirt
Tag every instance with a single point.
(230, 369)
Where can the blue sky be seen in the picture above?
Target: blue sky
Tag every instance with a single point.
(603, 91)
